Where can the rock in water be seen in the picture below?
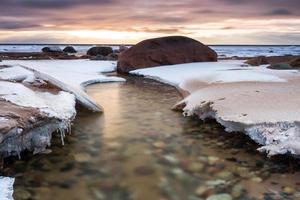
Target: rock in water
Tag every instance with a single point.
(112, 56)
(53, 49)
(69, 49)
(103, 51)
(295, 63)
(164, 51)
(256, 61)
(280, 66)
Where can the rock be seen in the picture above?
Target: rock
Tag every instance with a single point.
(288, 190)
(103, 51)
(82, 157)
(112, 56)
(280, 66)
(213, 160)
(144, 170)
(123, 48)
(295, 63)
(164, 51)
(159, 144)
(256, 61)
(195, 167)
(220, 197)
(52, 49)
(69, 49)
(256, 179)
(99, 57)
(215, 183)
(22, 194)
(225, 175)
(237, 191)
(202, 191)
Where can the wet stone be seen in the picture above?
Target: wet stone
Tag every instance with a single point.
(288, 190)
(220, 197)
(144, 170)
(22, 194)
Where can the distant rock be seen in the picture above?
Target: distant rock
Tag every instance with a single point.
(164, 51)
(112, 56)
(256, 61)
(69, 49)
(280, 66)
(295, 63)
(52, 49)
(103, 51)
(123, 48)
(99, 57)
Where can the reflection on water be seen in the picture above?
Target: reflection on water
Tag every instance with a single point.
(140, 149)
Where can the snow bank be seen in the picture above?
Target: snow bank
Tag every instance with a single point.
(6, 188)
(261, 102)
(72, 75)
(15, 73)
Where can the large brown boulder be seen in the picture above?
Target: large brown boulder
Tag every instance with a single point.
(164, 51)
(103, 51)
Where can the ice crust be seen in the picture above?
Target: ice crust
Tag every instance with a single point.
(262, 103)
(72, 75)
(6, 188)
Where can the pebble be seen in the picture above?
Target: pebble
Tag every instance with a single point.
(143, 170)
(226, 175)
(82, 157)
(256, 179)
(213, 160)
(288, 190)
(237, 190)
(22, 194)
(202, 191)
(195, 167)
(159, 144)
(171, 159)
(215, 183)
(220, 197)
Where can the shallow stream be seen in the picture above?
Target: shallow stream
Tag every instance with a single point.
(140, 149)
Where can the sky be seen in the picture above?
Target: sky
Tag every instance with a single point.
(130, 21)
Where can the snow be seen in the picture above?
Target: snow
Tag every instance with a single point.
(46, 102)
(6, 188)
(72, 75)
(15, 73)
(212, 72)
(260, 102)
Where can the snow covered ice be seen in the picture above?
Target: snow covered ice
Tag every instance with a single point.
(260, 102)
(6, 188)
(71, 75)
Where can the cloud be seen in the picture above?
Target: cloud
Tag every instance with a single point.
(280, 11)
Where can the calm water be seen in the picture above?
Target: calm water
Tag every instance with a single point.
(141, 149)
(222, 50)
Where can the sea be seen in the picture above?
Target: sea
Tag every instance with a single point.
(222, 50)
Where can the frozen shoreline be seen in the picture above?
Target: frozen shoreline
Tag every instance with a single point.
(40, 112)
(258, 101)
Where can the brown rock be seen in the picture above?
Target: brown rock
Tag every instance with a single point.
(103, 51)
(256, 61)
(112, 56)
(164, 51)
(52, 49)
(69, 49)
(295, 63)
